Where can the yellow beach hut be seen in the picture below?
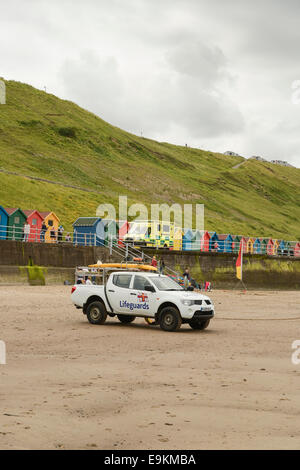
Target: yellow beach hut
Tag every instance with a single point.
(177, 243)
(52, 222)
(250, 245)
(276, 245)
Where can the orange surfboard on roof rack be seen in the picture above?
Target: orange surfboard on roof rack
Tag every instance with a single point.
(141, 267)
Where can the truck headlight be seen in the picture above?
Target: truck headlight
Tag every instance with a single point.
(187, 302)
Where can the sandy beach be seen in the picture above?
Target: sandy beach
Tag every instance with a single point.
(70, 385)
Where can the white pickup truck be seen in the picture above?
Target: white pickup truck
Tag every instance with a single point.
(128, 295)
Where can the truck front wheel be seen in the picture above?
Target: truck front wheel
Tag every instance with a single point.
(126, 318)
(170, 319)
(96, 313)
(199, 324)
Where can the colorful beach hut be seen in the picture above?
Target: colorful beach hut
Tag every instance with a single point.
(35, 220)
(257, 246)
(228, 244)
(263, 245)
(123, 230)
(276, 245)
(3, 223)
(196, 241)
(187, 240)
(250, 244)
(15, 223)
(221, 243)
(86, 231)
(270, 247)
(297, 250)
(289, 249)
(244, 240)
(281, 247)
(52, 222)
(236, 244)
(177, 244)
(205, 241)
(214, 242)
(107, 231)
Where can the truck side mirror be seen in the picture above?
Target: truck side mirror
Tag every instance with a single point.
(150, 288)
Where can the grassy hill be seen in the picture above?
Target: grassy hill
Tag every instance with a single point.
(49, 138)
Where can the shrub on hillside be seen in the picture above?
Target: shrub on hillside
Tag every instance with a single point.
(67, 132)
(32, 123)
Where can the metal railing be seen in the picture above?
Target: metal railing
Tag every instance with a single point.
(252, 245)
(34, 235)
(132, 253)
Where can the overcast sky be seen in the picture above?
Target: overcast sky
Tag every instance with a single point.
(214, 74)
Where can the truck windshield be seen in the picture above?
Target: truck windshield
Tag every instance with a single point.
(165, 283)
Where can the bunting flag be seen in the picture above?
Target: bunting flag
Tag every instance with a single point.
(239, 263)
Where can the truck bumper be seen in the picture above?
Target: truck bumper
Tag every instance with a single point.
(194, 313)
(206, 315)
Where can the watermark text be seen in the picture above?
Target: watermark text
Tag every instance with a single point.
(2, 92)
(2, 353)
(296, 353)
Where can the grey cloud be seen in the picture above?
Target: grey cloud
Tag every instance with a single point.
(156, 102)
(194, 58)
(94, 82)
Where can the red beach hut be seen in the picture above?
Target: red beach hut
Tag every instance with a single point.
(205, 242)
(35, 221)
(123, 230)
(270, 247)
(297, 250)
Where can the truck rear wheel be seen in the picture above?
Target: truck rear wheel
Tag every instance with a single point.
(170, 319)
(199, 324)
(126, 318)
(96, 313)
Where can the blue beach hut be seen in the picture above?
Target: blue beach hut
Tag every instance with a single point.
(3, 223)
(187, 240)
(281, 247)
(88, 232)
(214, 242)
(228, 244)
(257, 246)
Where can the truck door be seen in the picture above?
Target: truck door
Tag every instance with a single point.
(119, 294)
(145, 302)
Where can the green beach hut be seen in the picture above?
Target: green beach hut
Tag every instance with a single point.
(15, 223)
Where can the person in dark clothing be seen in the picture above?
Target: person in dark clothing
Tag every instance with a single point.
(43, 232)
(53, 235)
(162, 266)
(60, 235)
(186, 278)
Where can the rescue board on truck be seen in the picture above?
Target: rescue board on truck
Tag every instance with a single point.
(142, 267)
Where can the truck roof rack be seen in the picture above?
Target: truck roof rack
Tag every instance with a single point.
(101, 270)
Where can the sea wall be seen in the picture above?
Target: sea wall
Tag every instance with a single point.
(35, 263)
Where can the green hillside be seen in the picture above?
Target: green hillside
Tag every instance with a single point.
(46, 137)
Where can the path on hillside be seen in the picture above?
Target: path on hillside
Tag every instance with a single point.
(239, 164)
(43, 180)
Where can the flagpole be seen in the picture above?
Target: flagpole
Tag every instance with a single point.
(241, 258)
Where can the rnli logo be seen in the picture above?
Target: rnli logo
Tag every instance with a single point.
(143, 298)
